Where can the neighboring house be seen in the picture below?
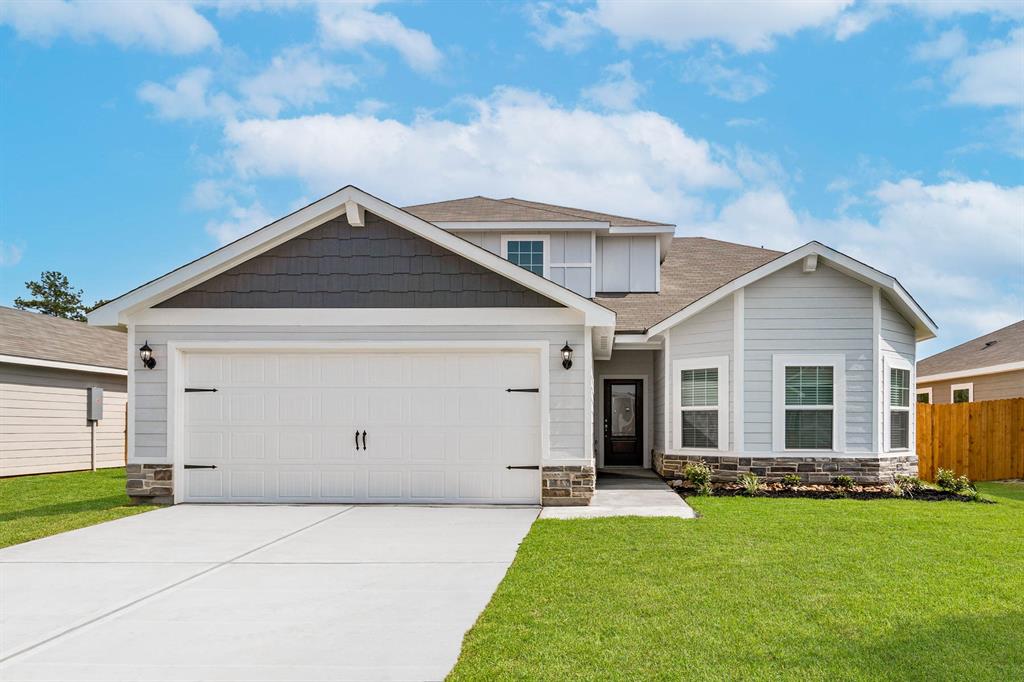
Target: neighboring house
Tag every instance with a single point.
(484, 350)
(47, 367)
(990, 367)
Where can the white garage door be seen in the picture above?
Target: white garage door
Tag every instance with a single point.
(432, 427)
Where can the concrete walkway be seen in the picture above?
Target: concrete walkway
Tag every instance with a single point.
(627, 492)
(254, 593)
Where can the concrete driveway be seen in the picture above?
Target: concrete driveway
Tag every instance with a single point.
(254, 593)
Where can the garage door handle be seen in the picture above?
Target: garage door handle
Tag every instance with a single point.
(364, 440)
(522, 390)
(357, 439)
(200, 466)
(523, 467)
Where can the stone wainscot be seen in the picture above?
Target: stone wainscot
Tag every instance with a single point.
(810, 469)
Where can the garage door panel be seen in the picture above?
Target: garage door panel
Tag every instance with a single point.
(440, 427)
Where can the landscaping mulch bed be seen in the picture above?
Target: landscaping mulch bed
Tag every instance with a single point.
(824, 492)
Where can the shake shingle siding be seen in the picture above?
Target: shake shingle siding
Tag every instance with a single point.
(377, 266)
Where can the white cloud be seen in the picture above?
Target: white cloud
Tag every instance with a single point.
(514, 142)
(174, 27)
(240, 221)
(187, 97)
(295, 77)
(371, 106)
(557, 27)
(1005, 9)
(948, 45)
(723, 81)
(10, 254)
(618, 90)
(991, 76)
(352, 26)
(744, 122)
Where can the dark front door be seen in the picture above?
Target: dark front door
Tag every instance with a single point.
(623, 422)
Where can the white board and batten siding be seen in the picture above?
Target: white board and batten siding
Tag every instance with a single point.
(571, 257)
(43, 426)
(627, 264)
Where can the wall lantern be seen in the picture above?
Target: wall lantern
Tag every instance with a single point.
(567, 356)
(147, 356)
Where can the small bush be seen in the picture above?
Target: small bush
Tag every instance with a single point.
(843, 481)
(947, 480)
(751, 483)
(910, 485)
(704, 489)
(971, 494)
(791, 480)
(697, 473)
(896, 490)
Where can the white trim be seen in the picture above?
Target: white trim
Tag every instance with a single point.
(719, 362)
(530, 237)
(890, 363)
(927, 391)
(588, 395)
(906, 305)
(647, 430)
(810, 263)
(571, 265)
(738, 361)
(965, 373)
(175, 384)
(593, 264)
(779, 363)
(355, 214)
(132, 368)
(354, 317)
(57, 364)
(522, 225)
(117, 311)
(657, 266)
(877, 396)
(959, 387)
(635, 342)
(667, 386)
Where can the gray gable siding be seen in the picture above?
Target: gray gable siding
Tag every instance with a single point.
(380, 265)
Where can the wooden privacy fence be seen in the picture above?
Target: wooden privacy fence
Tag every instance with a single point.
(983, 440)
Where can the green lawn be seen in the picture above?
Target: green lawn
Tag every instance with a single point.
(36, 506)
(765, 589)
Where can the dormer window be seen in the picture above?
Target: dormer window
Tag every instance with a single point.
(528, 251)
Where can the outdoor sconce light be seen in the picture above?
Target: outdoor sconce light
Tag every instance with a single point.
(147, 356)
(567, 356)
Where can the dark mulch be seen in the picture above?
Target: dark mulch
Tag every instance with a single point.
(825, 492)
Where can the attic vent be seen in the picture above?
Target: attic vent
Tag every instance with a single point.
(991, 343)
(604, 343)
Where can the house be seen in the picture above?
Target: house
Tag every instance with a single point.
(49, 369)
(990, 367)
(499, 351)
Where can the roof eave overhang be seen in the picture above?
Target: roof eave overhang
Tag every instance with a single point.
(924, 327)
(346, 200)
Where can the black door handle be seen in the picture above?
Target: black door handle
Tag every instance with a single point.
(364, 440)
(357, 439)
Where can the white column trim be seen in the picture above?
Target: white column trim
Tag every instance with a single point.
(876, 359)
(667, 369)
(131, 392)
(588, 396)
(738, 362)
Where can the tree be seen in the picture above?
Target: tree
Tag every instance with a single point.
(53, 295)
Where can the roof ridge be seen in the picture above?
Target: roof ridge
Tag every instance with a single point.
(568, 210)
(723, 241)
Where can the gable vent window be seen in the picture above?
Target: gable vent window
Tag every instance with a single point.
(899, 408)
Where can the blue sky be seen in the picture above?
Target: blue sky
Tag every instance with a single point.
(138, 137)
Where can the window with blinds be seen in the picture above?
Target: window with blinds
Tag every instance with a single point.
(899, 408)
(699, 405)
(809, 408)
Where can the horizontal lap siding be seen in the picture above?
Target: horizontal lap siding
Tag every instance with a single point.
(43, 426)
(709, 333)
(824, 312)
(986, 387)
(896, 339)
(566, 391)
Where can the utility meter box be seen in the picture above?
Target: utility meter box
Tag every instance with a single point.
(94, 404)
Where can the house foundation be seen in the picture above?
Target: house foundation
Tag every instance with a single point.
(868, 470)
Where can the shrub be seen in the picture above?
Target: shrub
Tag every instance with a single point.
(791, 480)
(910, 485)
(751, 483)
(843, 481)
(704, 489)
(949, 481)
(697, 473)
(896, 490)
(971, 494)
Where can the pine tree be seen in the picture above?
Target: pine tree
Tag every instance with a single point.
(53, 295)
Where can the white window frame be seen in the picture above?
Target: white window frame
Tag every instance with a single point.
(959, 387)
(506, 238)
(927, 392)
(889, 364)
(719, 362)
(779, 364)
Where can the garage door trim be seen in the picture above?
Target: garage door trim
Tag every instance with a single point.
(176, 351)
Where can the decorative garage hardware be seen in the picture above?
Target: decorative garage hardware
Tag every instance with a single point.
(533, 466)
(147, 356)
(522, 390)
(567, 356)
(200, 466)
(357, 439)
(364, 440)
(200, 390)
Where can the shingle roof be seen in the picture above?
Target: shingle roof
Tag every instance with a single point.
(997, 348)
(694, 267)
(485, 209)
(44, 337)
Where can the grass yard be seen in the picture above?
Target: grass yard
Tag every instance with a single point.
(36, 506)
(765, 589)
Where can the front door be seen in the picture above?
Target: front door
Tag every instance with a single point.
(623, 422)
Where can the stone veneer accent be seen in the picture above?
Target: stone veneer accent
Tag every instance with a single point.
(811, 469)
(151, 483)
(567, 486)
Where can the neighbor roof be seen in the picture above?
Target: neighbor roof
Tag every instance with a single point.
(486, 210)
(1000, 347)
(694, 267)
(44, 337)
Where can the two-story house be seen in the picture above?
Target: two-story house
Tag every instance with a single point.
(500, 351)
